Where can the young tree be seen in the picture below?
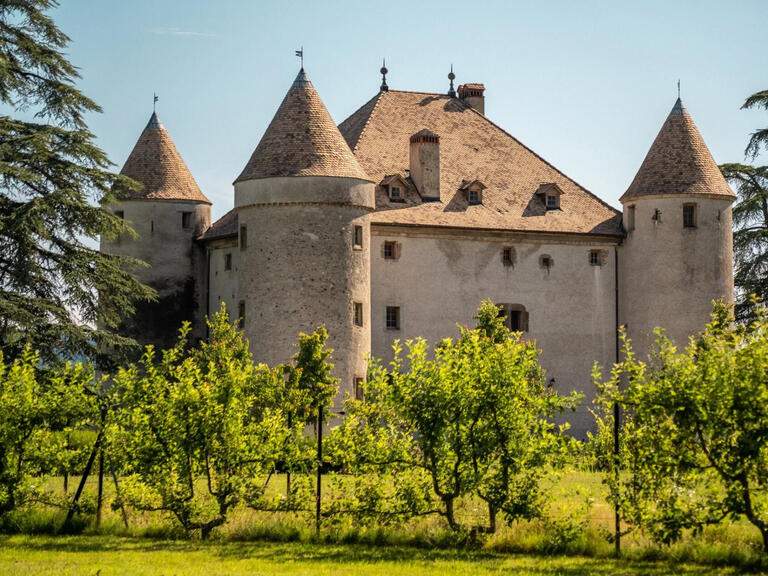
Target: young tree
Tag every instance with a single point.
(58, 293)
(750, 234)
(695, 442)
(206, 414)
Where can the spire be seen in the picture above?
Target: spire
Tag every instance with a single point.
(384, 87)
(155, 163)
(451, 77)
(678, 162)
(302, 140)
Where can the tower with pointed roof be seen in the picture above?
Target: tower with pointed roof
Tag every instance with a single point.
(167, 213)
(303, 204)
(678, 254)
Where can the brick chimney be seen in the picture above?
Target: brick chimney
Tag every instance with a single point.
(472, 94)
(425, 164)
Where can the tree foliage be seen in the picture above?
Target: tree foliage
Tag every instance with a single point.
(475, 419)
(759, 138)
(694, 444)
(55, 286)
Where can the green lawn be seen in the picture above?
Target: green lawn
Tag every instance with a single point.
(109, 555)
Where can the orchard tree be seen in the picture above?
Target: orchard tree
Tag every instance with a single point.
(58, 293)
(694, 447)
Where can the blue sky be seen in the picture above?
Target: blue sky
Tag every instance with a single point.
(586, 85)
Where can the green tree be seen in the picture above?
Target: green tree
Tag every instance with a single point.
(759, 138)
(37, 414)
(694, 446)
(55, 286)
(750, 234)
(203, 428)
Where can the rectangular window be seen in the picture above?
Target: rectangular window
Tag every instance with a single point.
(393, 317)
(243, 237)
(186, 220)
(358, 313)
(394, 192)
(594, 258)
(474, 197)
(228, 261)
(689, 215)
(390, 250)
(508, 256)
(551, 202)
(359, 392)
(630, 218)
(358, 241)
(241, 314)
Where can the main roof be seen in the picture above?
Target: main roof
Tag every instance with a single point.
(155, 163)
(471, 148)
(302, 140)
(678, 162)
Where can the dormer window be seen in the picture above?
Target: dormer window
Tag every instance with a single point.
(550, 194)
(395, 186)
(394, 193)
(473, 190)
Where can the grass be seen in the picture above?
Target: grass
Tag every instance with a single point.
(110, 555)
(260, 543)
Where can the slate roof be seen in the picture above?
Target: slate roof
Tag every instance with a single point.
(471, 148)
(678, 162)
(302, 140)
(156, 163)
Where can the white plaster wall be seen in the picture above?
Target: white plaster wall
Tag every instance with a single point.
(669, 274)
(222, 283)
(441, 278)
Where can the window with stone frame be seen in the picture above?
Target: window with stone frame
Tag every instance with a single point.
(553, 202)
(395, 193)
(598, 257)
(393, 318)
(358, 237)
(390, 250)
(630, 218)
(689, 215)
(515, 317)
(228, 261)
(358, 313)
(473, 197)
(508, 256)
(243, 237)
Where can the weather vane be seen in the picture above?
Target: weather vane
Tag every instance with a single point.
(678, 88)
(300, 54)
(384, 87)
(451, 76)
(154, 101)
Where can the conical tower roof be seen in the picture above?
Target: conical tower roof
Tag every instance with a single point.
(678, 162)
(155, 163)
(302, 140)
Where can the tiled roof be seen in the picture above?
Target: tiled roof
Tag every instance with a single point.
(302, 140)
(471, 148)
(678, 162)
(224, 227)
(155, 163)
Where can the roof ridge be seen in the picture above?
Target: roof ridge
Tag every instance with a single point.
(547, 162)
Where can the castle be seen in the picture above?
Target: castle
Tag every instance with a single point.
(397, 223)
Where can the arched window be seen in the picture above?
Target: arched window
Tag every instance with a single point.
(515, 317)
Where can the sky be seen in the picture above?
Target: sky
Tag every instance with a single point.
(587, 85)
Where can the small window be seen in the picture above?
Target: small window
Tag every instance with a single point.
(186, 220)
(515, 317)
(393, 317)
(689, 215)
(359, 392)
(228, 261)
(508, 256)
(358, 313)
(630, 218)
(358, 241)
(120, 214)
(391, 250)
(243, 237)
(553, 202)
(474, 197)
(546, 261)
(394, 193)
(241, 314)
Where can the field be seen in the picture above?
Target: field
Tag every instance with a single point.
(281, 543)
(108, 556)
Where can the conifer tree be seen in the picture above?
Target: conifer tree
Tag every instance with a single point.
(58, 293)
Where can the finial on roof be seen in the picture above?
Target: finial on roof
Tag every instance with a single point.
(451, 76)
(154, 101)
(300, 54)
(678, 88)
(384, 87)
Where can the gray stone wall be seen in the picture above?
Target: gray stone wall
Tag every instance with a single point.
(222, 283)
(441, 277)
(670, 274)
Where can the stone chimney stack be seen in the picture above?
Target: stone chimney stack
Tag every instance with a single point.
(473, 95)
(425, 164)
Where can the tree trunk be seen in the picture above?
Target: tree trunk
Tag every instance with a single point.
(449, 515)
(83, 479)
(100, 494)
(66, 482)
(492, 512)
(319, 468)
(117, 494)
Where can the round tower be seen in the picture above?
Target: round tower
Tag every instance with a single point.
(168, 213)
(678, 254)
(303, 206)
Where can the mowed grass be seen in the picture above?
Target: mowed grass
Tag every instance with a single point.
(110, 555)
